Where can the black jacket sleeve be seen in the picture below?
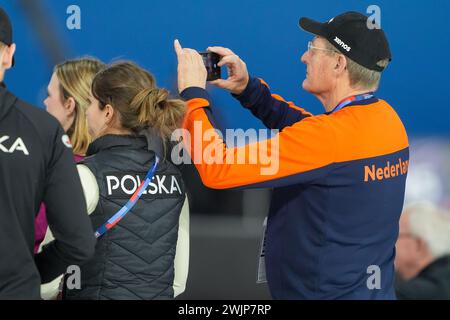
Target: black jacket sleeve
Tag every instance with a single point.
(67, 217)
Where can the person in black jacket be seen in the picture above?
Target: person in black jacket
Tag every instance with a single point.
(145, 255)
(423, 253)
(36, 165)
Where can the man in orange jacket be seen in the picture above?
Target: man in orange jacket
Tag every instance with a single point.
(339, 188)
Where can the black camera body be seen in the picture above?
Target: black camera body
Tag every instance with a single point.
(211, 59)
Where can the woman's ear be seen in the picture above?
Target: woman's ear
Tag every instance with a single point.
(108, 112)
(70, 105)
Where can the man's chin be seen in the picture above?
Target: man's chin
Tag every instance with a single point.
(306, 86)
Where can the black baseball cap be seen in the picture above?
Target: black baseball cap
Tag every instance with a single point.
(351, 35)
(6, 34)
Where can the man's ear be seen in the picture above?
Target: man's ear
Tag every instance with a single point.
(341, 63)
(8, 56)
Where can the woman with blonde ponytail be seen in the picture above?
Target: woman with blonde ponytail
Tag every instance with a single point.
(135, 196)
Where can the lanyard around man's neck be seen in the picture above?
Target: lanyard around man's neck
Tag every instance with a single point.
(348, 100)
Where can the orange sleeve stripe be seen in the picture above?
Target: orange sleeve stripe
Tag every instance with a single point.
(196, 103)
(264, 83)
(280, 98)
(290, 155)
(291, 104)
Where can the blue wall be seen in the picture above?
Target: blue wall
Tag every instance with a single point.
(263, 33)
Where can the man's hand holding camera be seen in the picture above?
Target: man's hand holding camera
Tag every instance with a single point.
(237, 71)
(192, 71)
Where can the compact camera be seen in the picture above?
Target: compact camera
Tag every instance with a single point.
(211, 59)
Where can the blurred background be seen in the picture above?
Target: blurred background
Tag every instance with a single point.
(226, 225)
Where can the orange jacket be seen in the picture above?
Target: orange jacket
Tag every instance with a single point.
(338, 189)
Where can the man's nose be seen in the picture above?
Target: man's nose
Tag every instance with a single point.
(304, 57)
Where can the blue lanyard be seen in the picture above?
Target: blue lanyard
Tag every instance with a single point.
(351, 99)
(130, 204)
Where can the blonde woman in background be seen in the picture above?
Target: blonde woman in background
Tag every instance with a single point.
(67, 100)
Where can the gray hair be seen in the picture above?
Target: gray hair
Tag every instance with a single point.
(432, 225)
(361, 77)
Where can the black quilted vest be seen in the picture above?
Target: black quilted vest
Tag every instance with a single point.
(135, 259)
